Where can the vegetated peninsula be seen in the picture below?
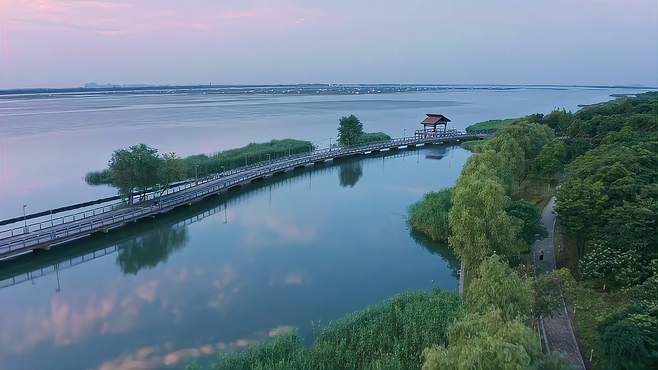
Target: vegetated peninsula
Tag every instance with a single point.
(604, 159)
(140, 169)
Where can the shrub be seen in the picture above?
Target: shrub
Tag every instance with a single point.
(430, 215)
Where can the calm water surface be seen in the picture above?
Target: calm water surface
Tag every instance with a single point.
(308, 246)
(48, 144)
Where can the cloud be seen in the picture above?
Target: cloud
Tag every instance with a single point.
(155, 357)
(68, 321)
(123, 18)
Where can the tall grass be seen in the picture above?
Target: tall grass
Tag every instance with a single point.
(370, 137)
(430, 215)
(249, 154)
(387, 335)
(224, 160)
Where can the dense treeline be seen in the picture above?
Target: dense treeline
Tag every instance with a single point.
(141, 168)
(491, 231)
(607, 204)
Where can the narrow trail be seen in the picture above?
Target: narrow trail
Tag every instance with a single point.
(557, 331)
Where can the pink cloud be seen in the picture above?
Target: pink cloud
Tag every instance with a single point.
(119, 18)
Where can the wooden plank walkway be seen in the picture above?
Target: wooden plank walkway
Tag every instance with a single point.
(45, 235)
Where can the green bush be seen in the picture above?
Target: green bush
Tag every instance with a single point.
(430, 215)
(490, 125)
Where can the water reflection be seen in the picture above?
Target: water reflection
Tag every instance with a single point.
(350, 173)
(437, 152)
(151, 248)
(438, 248)
(227, 271)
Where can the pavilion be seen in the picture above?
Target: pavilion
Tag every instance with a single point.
(430, 122)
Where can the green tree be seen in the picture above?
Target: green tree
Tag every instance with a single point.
(498, 287)
(172, 168)
(580, 206)
(478, 221)
(629, 339)
(551, 158)
(135, 169)
(485, 341)
(350, 130)
(529, 217)
(550, 290)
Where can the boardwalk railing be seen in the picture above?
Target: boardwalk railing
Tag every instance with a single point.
(71, 227)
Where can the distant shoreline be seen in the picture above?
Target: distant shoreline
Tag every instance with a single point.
(293, 89)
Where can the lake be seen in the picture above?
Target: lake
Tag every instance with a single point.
(49, 142)
(309, 246)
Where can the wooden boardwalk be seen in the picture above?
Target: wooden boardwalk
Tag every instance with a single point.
(46, 234)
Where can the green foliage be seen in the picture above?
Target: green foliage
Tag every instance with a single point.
(430, 215)
(350, 130)
(485, 341)
(479, 223)
(621, 266)
(388, 335)
(498, 287)
(630, 339)
(530, 217)
(551, 158)
(549, 291)
(249, 154)
(135, 169)
(558, 120)
(580, 205)
(370, 137)
(608, 197)
(490, 125)
(170, 168)
(278, 353)
(103, 177)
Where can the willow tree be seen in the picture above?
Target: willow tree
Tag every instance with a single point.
(479, 222)
(498, 287)
(485, 341)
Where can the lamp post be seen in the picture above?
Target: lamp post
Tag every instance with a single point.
(24, 219)
(329, 144)
(196, 174)
(405, 132)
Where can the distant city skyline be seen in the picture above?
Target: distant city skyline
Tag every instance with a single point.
(68, 43)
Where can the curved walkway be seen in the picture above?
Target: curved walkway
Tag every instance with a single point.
(45, 234)
(557, 331)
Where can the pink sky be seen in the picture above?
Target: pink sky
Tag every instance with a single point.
(55, 43)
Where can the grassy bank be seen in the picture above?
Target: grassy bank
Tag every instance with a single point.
(430, 215)
(387, 335)
(224, 160)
